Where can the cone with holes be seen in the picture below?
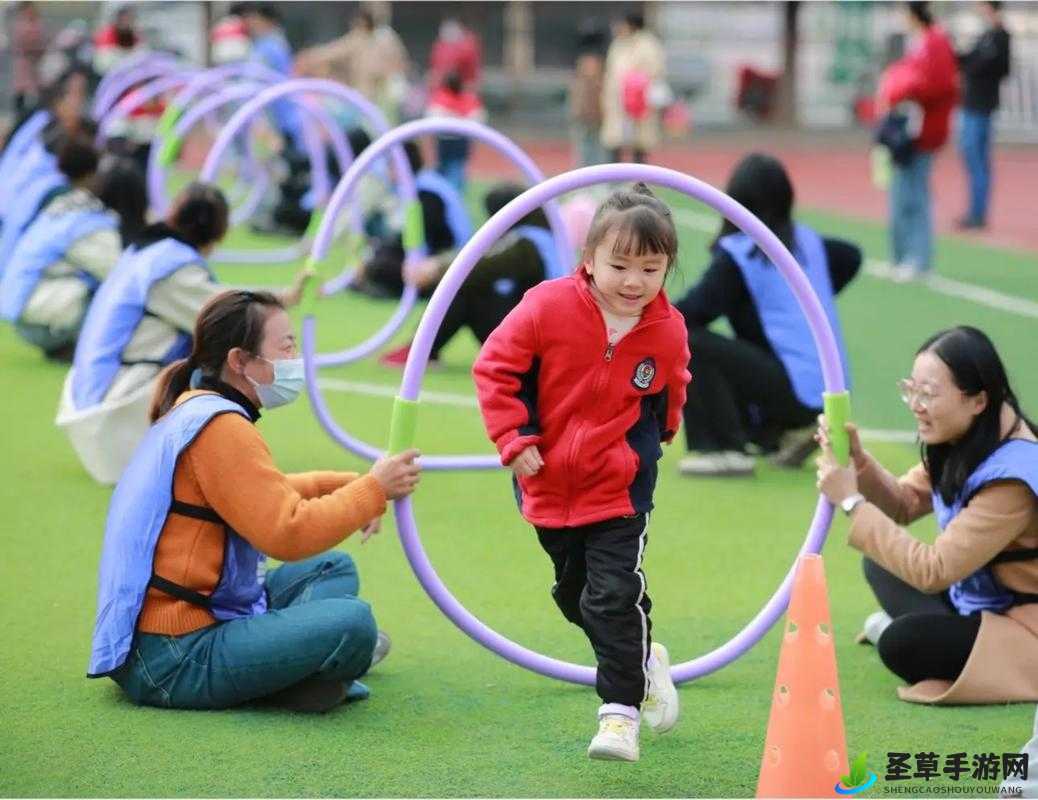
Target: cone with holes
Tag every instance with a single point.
(805, 752)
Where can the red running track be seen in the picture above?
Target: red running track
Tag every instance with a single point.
(835, 176)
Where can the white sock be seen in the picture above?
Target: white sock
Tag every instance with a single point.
(631, 712)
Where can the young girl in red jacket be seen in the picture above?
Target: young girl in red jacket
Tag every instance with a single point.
(578, 386)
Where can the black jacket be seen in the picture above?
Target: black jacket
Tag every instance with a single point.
(983, 70)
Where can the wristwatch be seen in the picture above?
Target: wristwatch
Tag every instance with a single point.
(848, 504)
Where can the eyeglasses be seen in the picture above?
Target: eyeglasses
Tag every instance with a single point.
(912, 394)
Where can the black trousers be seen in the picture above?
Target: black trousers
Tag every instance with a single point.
(600, 587)
(740, 393)
(928, 638)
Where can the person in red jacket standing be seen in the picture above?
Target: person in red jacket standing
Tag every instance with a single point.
(578, 386)
(924, 84)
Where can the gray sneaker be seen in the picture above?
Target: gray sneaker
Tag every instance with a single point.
(794, 447)
(729, 463)
(382, 646)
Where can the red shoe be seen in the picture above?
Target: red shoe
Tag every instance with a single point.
(395, 358)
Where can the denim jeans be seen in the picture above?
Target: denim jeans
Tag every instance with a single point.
(587, 145)
(911, 214)
(315, 626)
(975, 146)
(452, 156)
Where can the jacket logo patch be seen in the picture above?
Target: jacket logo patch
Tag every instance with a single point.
(644, 373)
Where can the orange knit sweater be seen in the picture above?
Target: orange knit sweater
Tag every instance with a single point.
(229, 469)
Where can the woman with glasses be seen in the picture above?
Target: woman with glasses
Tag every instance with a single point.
(959, 619)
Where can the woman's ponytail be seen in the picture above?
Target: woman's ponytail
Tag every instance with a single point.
(172, 382)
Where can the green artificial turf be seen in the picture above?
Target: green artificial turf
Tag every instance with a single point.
(446, 717)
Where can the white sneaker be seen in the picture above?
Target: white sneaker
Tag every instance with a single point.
(616, 740)
(875, 624)
(728, 463)
(904, 273)
(660, 707)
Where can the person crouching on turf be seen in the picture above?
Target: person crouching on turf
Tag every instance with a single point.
(959, 619)
(139, 321)
(185, 618)
(71, 246)
(763, 385)
(523, 257)
(578, 386)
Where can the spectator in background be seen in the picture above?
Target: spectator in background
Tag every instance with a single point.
(368, 58)
(452, 99)
(457, 49)
(116, 41)
(28, 44)
(634, 68)
(585, 102)
(983, 67)
(924, 87)
(229, 40)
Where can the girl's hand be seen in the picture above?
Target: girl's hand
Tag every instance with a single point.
(859, 458)
(294, 293)
(528, 462)
(835, 482)
(425, 273)
(370, 529)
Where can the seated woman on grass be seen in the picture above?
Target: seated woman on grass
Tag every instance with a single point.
(959, 619)
(185, 617)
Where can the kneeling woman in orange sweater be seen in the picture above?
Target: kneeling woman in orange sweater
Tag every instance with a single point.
(186, 617)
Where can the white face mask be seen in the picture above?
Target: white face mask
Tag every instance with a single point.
(289, 380)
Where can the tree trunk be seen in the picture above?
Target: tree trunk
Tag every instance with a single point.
(786, 102)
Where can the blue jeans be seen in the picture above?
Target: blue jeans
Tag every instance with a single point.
(975, 146)
(315, 627)
(452, 156)
(911, 214)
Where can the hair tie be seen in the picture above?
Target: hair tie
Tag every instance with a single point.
(196, 378)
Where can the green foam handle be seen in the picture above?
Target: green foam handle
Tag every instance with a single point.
(837, 408)
(168, 119)
(312, 292)
(403, 424)
(414, 229)
(315, 222)
(170, 150)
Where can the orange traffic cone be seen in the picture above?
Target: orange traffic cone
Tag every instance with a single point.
(805, 752)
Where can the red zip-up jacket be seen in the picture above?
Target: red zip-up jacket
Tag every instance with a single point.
(597, 413)
(929, 76)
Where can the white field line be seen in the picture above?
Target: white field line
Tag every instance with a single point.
(883, 271)
(465, 401)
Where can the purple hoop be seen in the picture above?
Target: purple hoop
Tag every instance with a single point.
(120, 79)
(322, 242)
(240, 91)
(492, 230)
(133, 100)
(157, 197)
(343, 153)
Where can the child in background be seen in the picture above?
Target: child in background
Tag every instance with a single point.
(578, 386)
(452, 99)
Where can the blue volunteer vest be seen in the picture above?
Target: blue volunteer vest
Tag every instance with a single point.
(44, 242)
(458, 220)
(1016, 459)
(14, 154)
(33, 186)
(142, 500)
(115, 313)
(784, 323)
